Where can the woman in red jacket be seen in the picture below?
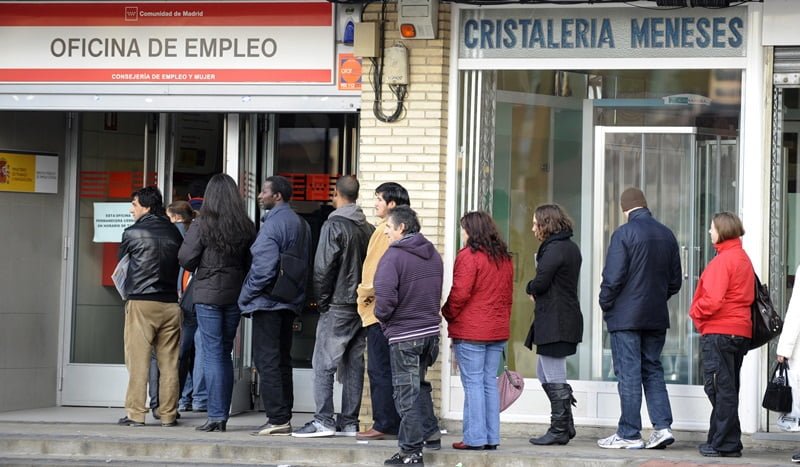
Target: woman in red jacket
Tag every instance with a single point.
(478, 313)
(721, 312)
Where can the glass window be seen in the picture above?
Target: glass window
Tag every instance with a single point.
(674, 133)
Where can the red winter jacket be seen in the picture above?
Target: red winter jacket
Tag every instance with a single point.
(479, 305)
(721, 303)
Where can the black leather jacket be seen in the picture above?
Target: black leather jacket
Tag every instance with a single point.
(340, 255)
(152, 243)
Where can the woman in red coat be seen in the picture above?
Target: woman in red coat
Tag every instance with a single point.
(721, 312)
(478, 313)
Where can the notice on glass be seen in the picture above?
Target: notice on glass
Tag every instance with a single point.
(110, 220)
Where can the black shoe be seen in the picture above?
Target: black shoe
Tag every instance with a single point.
(213, 426)
(490, 447)
(155, 413)
(170, 424)
(432, 444)
(796, 458)
(404, 459)
(708, 451)
(125, 421)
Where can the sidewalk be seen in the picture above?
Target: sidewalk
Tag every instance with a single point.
(88, 436)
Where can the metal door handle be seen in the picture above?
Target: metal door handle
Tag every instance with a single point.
(685, 262)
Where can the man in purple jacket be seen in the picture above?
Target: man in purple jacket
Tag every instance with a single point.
(408, 293)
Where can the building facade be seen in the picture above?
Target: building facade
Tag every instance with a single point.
(507, 107)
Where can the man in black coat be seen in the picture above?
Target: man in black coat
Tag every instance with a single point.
(152, 314)
(642, 271)
(340, 339)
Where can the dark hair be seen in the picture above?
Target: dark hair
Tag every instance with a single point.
(728, 225)
(348, 187)
(404, 215)
(483, 235)
(150, 197)
(197, 187)
(224, 225)
(391, 191)
(552, 219)
(281, 185)
(183, 210)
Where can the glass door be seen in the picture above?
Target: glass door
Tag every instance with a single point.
(116, 154)
(687, 174)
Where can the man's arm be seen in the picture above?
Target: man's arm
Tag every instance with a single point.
(676, 275)
(264, 266)
(191, 252)
(387, 282)
(326, 263)
(615, 272)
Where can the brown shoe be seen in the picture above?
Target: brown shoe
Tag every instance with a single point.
(372, 434)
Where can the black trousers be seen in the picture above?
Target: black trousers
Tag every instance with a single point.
(272, 346)
(379, 369)
(722, 361)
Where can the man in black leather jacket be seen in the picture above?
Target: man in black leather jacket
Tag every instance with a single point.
(340, 339)
(152, 314)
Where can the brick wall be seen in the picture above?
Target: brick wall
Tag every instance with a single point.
(413, 150)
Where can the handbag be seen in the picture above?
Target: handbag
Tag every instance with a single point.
(509, 385)
(767, 324)
(778, 396)
(187, 299)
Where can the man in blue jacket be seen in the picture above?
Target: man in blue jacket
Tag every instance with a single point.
(642, 272)
(282, 232)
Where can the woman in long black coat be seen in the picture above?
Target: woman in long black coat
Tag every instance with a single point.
(558, 323)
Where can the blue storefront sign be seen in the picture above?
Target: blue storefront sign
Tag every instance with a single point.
(602, 33)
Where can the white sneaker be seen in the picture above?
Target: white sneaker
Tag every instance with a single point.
(659, 439)
(349, 430)
(615, 442)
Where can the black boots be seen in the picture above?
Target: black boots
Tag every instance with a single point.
(562, 427)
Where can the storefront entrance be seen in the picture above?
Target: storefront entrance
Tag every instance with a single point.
(111, 154)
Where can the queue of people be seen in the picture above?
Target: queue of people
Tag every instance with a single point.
(379, 291)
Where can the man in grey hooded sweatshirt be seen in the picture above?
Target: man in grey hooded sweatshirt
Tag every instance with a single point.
(340, 338)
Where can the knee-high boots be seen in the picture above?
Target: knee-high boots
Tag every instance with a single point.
(562, 426)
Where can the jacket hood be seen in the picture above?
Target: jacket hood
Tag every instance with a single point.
(417, 245)
(639, 212)
(352, 212)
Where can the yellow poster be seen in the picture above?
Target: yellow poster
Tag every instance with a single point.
(28, 173)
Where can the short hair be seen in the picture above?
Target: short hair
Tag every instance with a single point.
(181, 209)
(197, 187)
(280, 184)
(150, 197)
(391, 191)
(552, 219)
(348, 187)
(728, 225)
(406, 216)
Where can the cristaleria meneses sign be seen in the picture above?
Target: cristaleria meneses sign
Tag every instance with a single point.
(602, 33)
(173, 42)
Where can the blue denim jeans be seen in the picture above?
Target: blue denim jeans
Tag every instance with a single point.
(217, 327)
(478, 364)
(636, 356)
(412, 394)
(190, 370)
(340, 345)
(379, 369)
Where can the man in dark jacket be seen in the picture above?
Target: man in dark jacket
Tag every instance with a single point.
(340, 339)
(408, 294)
(642, 272)
(282, 231)
(152, 314)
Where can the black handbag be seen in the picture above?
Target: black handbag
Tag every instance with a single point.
(187, 299)
(767, 324)
(778, 396)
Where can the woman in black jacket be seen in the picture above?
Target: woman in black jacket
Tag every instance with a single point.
(217, 250)
(557, 324)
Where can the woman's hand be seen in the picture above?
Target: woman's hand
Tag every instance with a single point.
(781, 358)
